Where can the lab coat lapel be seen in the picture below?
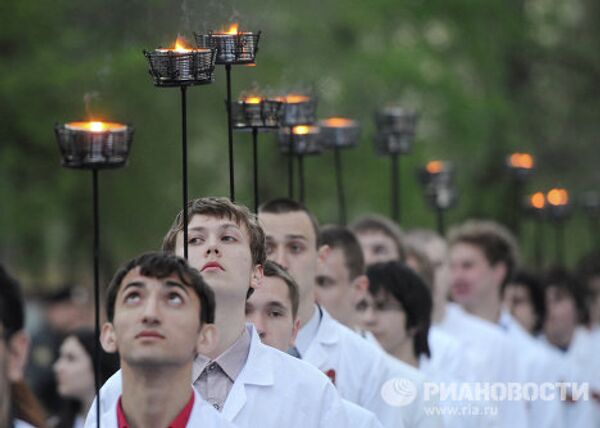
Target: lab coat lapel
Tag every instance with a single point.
(257, 371)
(319, 351)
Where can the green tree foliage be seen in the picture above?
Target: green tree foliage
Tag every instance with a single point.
(488, 77)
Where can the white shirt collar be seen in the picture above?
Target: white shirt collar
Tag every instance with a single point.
(307, 333)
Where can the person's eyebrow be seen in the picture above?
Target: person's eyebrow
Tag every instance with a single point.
(274, 304)
(301, 237)
(230, 226)
(171, 283)
(133, 284)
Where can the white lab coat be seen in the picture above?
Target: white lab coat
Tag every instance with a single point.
(492, 359)
(360, 417)
(273, 389)
(361, 370)
(536, 365)
(22, 424)
(203, 415)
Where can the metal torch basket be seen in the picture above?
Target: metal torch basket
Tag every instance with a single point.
(339, 136)
(170, 68)
(303, 144)
(83, 149)
(265, 115)
(239, 48)
(396, 128)
(299, 113)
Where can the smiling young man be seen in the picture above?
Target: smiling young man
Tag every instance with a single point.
(160, 315)
(358, 368)
(250, 383)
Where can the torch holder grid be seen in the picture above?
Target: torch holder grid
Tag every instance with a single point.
(239, 48)
(396, 128)
(302, 144)
(265, 115)
(339, 136)
(439, 189)
(170, 68)
(299, 113)
(82, 149)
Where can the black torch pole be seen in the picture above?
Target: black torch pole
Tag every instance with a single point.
(184, 169)
(291, 164)
(441, 225)
(537, 244)
(560, 243)
(301, 176)
(230, 135)
(255, 165)
(340, 185)
(395, 188)
(96, 252)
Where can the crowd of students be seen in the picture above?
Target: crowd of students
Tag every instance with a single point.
(276, 321)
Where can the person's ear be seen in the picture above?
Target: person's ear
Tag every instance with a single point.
(360, 286)
(108, 338)
(499, 271)
(18, 345)
(295, 329)
(208, 339)
(258, 273)
(323, 252)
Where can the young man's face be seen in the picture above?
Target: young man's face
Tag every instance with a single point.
(561, 316)
(517, 300)
(377, 247)
(292, 243)
(156, 321)
(336, 291)
(384, 317)
(220, 249)
(473, 279)
(270, 310)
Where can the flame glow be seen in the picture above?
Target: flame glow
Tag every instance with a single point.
(296, 98)
(521, 160)
(434, 167)
(558, 197)
(253, 100)
(180, 45)
(337, 122)
(232, 30)
(303, 129)
(538, 200)
(95, 126)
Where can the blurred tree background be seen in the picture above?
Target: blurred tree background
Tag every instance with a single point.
(488, 77)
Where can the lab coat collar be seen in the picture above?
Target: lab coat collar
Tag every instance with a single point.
(327, 336)
(258, 371)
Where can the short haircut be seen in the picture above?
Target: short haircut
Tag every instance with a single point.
(221, 208)
(424, 267)
(496, 241)
(285, 206)
(12, 315)
(340, 237)
(397, 280)
(379, 223)
(160, 265)
(421, 238)
(589, 267)
(273, 269)
(533, 285)
(567, 283)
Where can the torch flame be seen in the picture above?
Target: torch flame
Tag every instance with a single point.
(296, 98)
(232, 30)
(434, 167)
(97, 126)
(558, 197)
(253, 100)
(338, 122)
(180, 45)
(521, 160)
(538, 200)
(302, 129)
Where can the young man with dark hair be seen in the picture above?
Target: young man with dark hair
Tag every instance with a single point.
(341, 280)
(18, 407)
(523, 296)
(380, 238)
(358, 368)
(159, 317)
(241, 377)
(483, 258)
(273, 309)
